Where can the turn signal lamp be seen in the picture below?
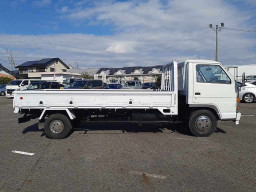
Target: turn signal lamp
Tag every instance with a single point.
(238, 99)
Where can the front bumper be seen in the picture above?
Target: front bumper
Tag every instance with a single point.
(9, 92)
(238, 117)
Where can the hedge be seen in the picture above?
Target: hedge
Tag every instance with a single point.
(5, 80)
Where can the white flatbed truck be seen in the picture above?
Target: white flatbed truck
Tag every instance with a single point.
(197, 92)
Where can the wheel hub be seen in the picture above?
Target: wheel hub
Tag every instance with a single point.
(203, 123)
(57, 126)
(248, 98)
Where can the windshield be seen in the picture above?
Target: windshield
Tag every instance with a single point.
(15, 82)
(78, 84)
(2, 86)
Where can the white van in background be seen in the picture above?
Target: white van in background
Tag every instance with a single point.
(18, 84)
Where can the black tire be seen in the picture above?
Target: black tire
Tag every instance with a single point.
(57, 126)
(248, 98)
(2, 93)
(202, 123)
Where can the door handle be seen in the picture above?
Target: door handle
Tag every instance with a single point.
(197, 93)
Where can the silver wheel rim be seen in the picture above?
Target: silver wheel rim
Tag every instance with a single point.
(57, 126)
(203, 123)
(248, 98)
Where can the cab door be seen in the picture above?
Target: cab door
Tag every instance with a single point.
(214, 87)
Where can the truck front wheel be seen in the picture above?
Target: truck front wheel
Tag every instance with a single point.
(202, 123)
(57, 126)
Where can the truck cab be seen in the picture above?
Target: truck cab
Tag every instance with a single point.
(206, 86)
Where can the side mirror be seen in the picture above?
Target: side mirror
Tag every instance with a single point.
(243, 78)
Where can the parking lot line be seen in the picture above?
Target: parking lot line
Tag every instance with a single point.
(23, 153)
(148, 175)
(248, 115)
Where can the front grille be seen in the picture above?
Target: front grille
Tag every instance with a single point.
(9, 91)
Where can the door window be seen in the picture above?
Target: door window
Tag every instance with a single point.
(45, 85)
(211, 74)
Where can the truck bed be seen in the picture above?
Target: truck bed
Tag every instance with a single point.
(164, 101)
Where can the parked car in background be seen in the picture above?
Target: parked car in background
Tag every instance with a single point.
(87, 84)
(55, 85)
(132, 85)
(67, 83)
(113, 86)
(149, 86)
(2, 89)
(253, 82)
(250, 78)
(247, 92)
(18, 84)
(44, 85)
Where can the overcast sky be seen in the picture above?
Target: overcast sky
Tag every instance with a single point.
(112, 33)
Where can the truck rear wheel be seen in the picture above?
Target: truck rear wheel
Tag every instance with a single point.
(57, 126)
(202, 123)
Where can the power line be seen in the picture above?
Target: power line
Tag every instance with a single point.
(243, 30)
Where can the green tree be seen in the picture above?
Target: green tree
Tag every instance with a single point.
(5, 80)
(86, 75)
(158, 81)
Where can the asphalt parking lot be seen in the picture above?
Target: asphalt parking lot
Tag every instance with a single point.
(121, 157)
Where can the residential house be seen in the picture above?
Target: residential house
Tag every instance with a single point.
(34, 69)
(4, 72)
(51, 69)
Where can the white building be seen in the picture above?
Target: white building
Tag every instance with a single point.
(144, 74)
(238, 70)
(59, 77)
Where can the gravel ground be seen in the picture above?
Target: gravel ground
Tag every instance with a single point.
(121, 157)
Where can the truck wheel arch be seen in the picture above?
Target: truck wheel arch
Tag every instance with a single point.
(57, 126)
(214, 109)
(66, 112)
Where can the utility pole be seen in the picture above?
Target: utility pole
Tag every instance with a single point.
(76, 64)
(11, 60)
(217, 28)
